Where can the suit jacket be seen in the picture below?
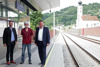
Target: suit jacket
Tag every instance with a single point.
(46, 36)
(7, 35)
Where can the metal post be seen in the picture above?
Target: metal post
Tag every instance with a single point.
(6, 10)
(54, 23)
(27, 11)
(1, 11)
(57, 22)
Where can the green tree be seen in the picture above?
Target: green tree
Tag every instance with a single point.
(35, 17)
(68, 16)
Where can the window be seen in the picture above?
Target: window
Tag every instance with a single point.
(86, 25)
(3, 24)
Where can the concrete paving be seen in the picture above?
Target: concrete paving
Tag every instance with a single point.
(56, 53)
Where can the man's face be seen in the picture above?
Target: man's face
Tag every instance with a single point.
(26, 24)
(10, 24)
(41, 24)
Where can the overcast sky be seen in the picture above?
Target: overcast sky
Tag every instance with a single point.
(67, 3)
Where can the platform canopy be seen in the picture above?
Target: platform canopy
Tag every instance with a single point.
(42, 5)
(36, 5)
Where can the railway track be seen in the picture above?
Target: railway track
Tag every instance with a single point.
(76, 61)
(88, 39)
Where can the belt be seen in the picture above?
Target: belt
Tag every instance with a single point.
(40, 41)
(12, 41)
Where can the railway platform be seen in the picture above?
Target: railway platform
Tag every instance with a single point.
(65, 50)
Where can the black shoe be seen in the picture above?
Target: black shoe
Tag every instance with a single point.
(21, 62)
(30, 63)
(42, 65)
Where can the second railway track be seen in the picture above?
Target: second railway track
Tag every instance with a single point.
(74, 55)
(88, 39)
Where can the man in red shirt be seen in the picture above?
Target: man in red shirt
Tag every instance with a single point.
(27, 34)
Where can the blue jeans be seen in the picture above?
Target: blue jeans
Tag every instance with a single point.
(23, 52)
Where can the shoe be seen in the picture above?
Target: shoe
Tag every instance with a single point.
(30, 63)
(13, 62)
(21, 62)
(8, 63)
(42, 65)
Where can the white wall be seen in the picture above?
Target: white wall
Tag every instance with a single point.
(3, 24)
(88, 24)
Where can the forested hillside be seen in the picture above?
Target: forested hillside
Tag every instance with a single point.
(67, 16)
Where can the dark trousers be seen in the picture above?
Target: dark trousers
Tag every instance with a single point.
(10, 49)
(42, 52)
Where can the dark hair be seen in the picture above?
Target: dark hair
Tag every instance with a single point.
(10, 21)
(40, 21)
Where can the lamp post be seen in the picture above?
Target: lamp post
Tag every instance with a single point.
(53, 23)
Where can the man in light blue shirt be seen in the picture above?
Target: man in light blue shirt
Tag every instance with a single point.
(9, 41)
(12, 35)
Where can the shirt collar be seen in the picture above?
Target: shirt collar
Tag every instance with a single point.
(10, 28)
(28, 28)
(41, 28)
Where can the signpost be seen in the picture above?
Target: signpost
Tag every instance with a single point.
(19, 6)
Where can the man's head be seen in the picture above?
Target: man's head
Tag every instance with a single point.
(10, 23)
(26, 24)
(41, 24)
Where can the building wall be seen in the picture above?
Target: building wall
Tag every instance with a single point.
(95, 31)
(91, 31)
(88, 24)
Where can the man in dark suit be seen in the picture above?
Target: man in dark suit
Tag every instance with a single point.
(42, 39)
(9, 41)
